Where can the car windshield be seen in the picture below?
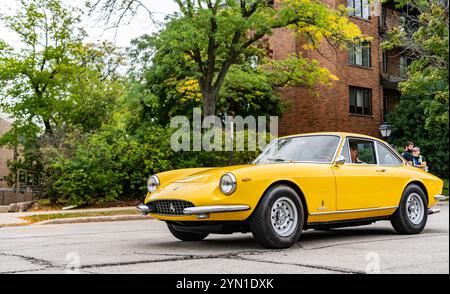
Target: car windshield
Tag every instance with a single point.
(319, 149)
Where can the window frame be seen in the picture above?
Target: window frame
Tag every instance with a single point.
(395, 154)
(351, 4)
(370, 104)
(366, 140)
(353, 51)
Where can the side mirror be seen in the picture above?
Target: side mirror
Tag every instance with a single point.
(341, 160)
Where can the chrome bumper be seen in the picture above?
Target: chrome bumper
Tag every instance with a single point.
(441, 197)
(202, 212)
(215, 209)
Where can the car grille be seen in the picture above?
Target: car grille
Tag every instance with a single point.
(169, 207)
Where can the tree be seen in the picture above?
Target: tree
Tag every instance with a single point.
(33, 78)
(410, 121)
(422, 114)
(54, 72)
(212, 36)
(160, 90)
(423, 37)
(53, 83)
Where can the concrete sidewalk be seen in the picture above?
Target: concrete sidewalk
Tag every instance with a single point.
(11, 219)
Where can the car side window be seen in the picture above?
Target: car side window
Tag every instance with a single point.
(386, 156)
(362, 151)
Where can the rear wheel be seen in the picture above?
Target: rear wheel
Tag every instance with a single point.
(278, 220)
(412, 215)
(186, 236)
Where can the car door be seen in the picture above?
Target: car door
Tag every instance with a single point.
(395, 179)
(361, 183)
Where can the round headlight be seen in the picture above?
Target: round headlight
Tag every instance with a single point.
(152, 184)
(228, 184)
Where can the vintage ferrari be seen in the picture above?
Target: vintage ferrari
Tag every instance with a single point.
(313, 181)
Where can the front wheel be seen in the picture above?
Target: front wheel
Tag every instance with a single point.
(278, 220)
(412, 215)
(186, 236)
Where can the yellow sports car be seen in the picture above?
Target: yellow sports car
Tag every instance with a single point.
(301, 182)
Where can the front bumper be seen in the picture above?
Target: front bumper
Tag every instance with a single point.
(440, 197)
(202, 212)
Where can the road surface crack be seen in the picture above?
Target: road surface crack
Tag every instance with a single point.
(372, 241)
(34, 261)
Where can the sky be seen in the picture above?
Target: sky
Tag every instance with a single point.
(97, 30)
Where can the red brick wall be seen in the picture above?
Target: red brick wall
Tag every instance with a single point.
(330, 111)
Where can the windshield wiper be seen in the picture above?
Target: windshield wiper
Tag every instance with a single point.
(280, 160)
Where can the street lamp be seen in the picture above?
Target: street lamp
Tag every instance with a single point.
(386, 130)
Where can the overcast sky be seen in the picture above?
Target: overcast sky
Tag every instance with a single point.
(140, 25)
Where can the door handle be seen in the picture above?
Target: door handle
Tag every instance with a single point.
(383, 170)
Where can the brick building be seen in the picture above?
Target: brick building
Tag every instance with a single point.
(5, 154)
(367, 89)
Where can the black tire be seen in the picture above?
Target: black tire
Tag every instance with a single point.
(261, 220)
(400, 220)
(186, 236)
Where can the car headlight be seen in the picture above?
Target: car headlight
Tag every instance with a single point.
(153, 183)
(228, 184)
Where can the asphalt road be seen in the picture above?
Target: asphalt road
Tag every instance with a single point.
(147, 247)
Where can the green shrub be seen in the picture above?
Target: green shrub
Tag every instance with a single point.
(410, 124)
(111, 164)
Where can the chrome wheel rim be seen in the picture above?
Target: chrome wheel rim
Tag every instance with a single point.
(284, 217)
(415, 209)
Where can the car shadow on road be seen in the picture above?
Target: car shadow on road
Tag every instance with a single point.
(245, 242)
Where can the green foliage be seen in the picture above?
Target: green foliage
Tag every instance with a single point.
(105, 165)
(424, 37)
(409, 121)
(53, 81)
(111, 163)
(422, 115)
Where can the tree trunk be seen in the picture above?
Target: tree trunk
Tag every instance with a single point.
(209, 103)
(48, 127)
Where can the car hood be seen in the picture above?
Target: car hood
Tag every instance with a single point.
(208, 175)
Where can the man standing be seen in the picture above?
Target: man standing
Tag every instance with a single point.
(408, 154)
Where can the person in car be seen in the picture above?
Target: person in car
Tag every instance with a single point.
(354, 155)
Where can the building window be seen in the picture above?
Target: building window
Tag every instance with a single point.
(360, 101)
(359, 8)
(360, 55)
(405, 62)
(385, 62)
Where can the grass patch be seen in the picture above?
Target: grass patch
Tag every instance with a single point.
(47, 205)
(45, 217)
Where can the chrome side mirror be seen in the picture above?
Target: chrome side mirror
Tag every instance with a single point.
(341, 160)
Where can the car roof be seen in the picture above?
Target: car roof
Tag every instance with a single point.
(341, 134)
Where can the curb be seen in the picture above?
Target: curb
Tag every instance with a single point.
(95, 219)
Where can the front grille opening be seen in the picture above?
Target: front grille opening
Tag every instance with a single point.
(169, 207)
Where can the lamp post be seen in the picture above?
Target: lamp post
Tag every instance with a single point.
(386, 130)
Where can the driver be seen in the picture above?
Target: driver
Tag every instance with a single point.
(354, 154)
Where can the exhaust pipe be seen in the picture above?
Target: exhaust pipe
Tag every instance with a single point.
(433, 211)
